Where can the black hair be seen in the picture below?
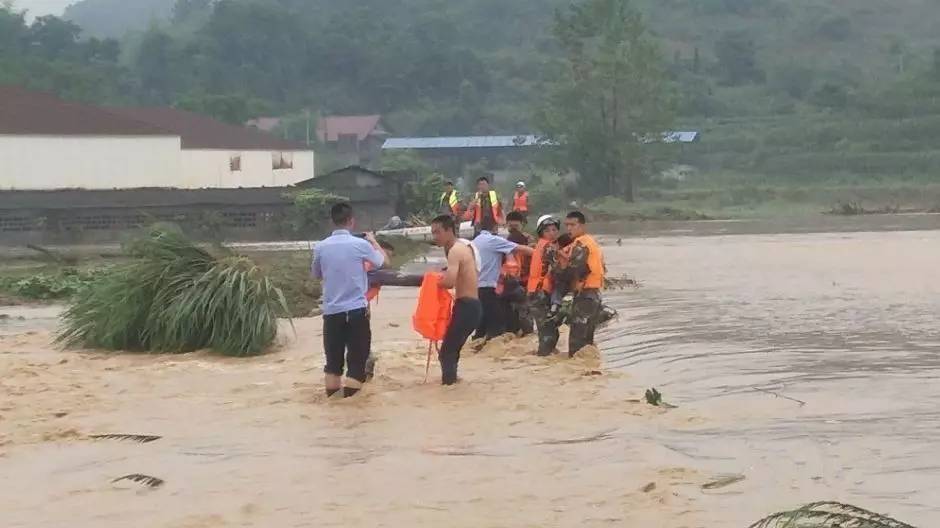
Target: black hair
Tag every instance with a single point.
(483, 178)
(446, 222)
(487, 224)
(341, 213)
(564, 240)
(448, 182)
(577, 215)
(516, 216)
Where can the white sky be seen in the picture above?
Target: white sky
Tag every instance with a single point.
(42, 7)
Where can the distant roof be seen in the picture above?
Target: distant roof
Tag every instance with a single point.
(460, 142)
(680, 137)
(525, 140)
(329, 128)
(23, 112)
(201, 132)
(266, 124)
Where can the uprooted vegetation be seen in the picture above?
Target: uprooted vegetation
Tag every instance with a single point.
(173, 296)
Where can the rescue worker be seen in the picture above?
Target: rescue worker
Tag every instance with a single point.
(584, 273)
(449, 202)
(339, 262)
(540, 284)
(520, 200)
(492, 250)
(484, 205)
(462, 275)
(515, 277)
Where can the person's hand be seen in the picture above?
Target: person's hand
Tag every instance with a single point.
(370, 237)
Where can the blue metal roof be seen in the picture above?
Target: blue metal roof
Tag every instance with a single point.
(460, 142)
(525, 140)
(680, 137)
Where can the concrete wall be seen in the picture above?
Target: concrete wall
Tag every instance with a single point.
(212, 169)
(117, 162)
(54, 162)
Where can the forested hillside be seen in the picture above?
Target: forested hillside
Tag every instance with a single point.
(781, 88)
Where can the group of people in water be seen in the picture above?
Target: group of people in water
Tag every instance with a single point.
(516, 284)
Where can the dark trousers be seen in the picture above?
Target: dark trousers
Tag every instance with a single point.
(495, 307)
(540, 306)
(585, 312)
(518, 320)
(347, 340)
(464, 320)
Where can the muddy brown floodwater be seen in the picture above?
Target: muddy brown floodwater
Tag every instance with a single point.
(737, 330)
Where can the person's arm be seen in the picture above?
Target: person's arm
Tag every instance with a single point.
(375, 254)
(316, 268)
(449, 275)
(525, 251)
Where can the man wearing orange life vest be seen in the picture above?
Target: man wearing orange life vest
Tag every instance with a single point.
(520, 200)
(540, 284)
(484, 205)
(584, 273)
(515, 276)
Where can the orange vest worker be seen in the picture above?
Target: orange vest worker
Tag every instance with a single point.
(539, 278)
(520, 201)
(595, 263)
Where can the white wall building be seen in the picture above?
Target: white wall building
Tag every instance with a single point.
(47, 143)
(216, 154)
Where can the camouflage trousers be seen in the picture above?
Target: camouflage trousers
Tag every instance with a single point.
(586, 311)
(540, 307)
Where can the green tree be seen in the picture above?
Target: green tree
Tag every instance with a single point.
(737, 59)
(611, 98)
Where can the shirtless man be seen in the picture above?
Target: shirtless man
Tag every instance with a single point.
(461, 274)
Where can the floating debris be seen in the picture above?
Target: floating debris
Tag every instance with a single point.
(721, 482)
(143, 439)
(146, 480)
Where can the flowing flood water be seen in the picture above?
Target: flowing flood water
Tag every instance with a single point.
(804, 365)
(740, 327)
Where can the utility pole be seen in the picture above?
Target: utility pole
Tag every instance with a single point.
(307, 111)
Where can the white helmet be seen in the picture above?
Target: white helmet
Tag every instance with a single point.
(544, 221)
(520, 184)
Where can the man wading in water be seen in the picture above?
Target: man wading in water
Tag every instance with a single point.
(340, 262)
(583, 270)
(461, 274)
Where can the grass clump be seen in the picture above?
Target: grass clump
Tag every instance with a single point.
(173, 296)
(829, 515)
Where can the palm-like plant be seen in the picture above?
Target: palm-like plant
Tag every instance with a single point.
(829, 515)
(174, 296)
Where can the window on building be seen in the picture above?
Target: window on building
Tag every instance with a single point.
(235, 162)
(282, 160)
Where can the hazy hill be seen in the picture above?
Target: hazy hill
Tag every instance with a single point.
(114, 18)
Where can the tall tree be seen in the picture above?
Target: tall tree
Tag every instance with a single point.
(611, 98)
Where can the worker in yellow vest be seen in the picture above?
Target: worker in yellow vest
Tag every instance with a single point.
(485, 204)
(449, 202)
(585, 270)
(520, 200)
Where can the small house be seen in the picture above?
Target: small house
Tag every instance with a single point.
(356, 140)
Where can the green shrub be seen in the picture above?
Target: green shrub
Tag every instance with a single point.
(176, 297)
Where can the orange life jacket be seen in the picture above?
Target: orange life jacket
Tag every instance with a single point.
(595, 263)
(475, 212)
(511, 269)
(520, 201)
(539, 277)
(432, 315)
(373, 292)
